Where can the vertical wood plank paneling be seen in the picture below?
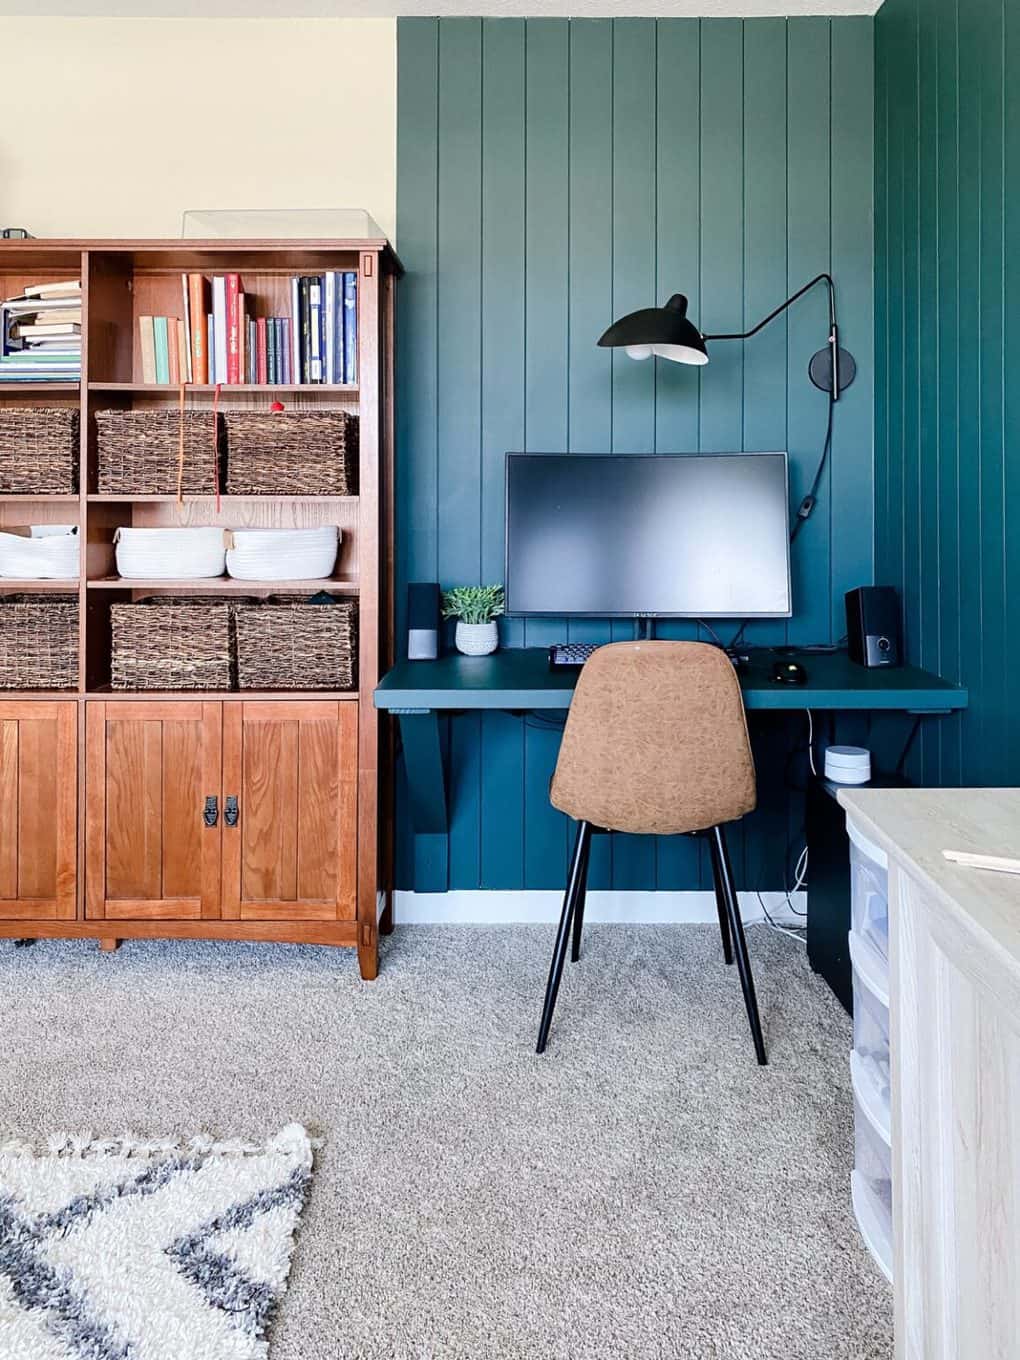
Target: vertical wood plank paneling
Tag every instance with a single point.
(953, 172)
(634, 285)
(590, 375)
(990, 764)
(971, 73)
(678, 254)
(417, 339)
(1011, 297)
(722, 272)
(502, 413)
(808, 132)
(927, 384)
(552, 175)
(852, 218)
(765, 266)
(459, 516)
(947, 140)
(765, 384)
(547, 288)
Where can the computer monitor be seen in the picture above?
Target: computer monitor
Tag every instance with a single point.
(669, 535)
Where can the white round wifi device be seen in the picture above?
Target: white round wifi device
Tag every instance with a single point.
(847, 764)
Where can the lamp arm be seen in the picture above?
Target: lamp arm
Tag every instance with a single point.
(833, 328)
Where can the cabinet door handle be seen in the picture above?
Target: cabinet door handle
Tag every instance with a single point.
(211, 811)
(231, 812)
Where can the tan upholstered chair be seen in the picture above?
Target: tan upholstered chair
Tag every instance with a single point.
(655, 744)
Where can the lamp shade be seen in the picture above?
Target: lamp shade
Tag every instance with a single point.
(663, 331)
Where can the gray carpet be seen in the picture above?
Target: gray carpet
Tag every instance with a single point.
(643, 1190)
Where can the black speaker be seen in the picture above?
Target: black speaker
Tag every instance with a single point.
(873, 626)
(422, 621)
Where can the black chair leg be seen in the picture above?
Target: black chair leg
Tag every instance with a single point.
(739, 943)
(575, 885)
(720, 900)
(582, 896)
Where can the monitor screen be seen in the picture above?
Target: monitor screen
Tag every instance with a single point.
(688, 535)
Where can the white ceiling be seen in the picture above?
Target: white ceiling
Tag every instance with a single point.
(362, 9)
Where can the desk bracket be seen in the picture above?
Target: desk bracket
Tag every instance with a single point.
(426, 787)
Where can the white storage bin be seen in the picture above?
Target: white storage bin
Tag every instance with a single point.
(283, 554)
(871, 1010)
(170, 554)
(869, 890)
(48, 553)
(871, 1187)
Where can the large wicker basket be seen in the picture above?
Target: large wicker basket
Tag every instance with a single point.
(39, 450)
(174, 642)
(292, 453)
(138, 452)
(292, 644)
(39, 642)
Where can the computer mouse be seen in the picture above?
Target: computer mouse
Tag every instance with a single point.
(788, 673)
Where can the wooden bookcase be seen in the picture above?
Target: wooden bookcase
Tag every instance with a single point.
(102, 792)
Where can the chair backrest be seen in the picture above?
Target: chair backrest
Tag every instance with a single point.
(656, 741)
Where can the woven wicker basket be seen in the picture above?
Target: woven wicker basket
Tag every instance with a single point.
(39, 450)
(138, 452)
(292, 453)
(291, 644)
(39, 642)
(174, 642)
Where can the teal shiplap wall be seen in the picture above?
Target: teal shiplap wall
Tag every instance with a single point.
(948, 409)
(552, 175)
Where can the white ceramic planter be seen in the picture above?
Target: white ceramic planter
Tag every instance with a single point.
(477, 639)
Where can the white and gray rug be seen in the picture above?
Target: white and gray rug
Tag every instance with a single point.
(121, 1250)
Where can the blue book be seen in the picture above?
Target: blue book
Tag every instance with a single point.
(159, 330)
(350, 369)
(286, 350)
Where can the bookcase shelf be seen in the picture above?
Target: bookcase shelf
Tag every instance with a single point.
(230, 389)
(224, 585)
(8, 585)
(317, 749)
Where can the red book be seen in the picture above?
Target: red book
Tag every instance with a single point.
(233, 284)
(261, 352)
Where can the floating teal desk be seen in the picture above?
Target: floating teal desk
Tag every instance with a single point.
(517, 681)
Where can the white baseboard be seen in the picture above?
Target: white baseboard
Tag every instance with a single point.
(488, 908)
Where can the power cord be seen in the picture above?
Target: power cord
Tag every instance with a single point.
(807, 505)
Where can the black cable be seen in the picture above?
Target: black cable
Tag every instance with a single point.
(709, 629)
(807, 505)
(738, 635)
(907, 746)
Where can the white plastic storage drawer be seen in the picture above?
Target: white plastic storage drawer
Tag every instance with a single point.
(869, 890)
(871, 1188)
(871, 1015)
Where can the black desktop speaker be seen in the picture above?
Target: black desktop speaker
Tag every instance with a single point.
(422, 621)
(873, 626)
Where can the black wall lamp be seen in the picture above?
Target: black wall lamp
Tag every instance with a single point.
(669, 333)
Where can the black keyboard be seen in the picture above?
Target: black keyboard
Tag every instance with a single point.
(570, 655)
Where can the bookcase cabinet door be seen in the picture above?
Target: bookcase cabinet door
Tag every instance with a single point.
(150, 766)
(38, 810)
(291, 854)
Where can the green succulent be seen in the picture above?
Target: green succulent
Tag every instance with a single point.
(473, 604)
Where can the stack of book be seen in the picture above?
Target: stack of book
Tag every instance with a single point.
(216, 340)
(40, 334)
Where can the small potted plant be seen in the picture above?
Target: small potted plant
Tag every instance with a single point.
(476, 609)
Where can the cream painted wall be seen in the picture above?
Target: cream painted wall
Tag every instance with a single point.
(132, 121)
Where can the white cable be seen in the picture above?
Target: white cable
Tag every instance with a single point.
(811, 741)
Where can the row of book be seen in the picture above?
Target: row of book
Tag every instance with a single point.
(40, 334)
(217, 341)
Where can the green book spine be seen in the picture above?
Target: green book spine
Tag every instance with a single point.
(162, 349)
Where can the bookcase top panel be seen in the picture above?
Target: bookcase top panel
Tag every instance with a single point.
(193, 254)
